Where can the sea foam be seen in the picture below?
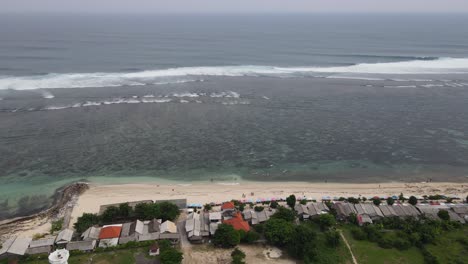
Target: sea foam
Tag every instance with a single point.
(181, 75)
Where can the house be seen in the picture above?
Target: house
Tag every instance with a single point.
(192, 227)
(91, 233)
(109, 235)
(154, 250)
(371, 210)
(64, 237)
(15, 246)
(254, 217)
(364, 219)
(238, 222)
(429, 211)
(387, 210)
(128, 233)
(85, 246)
(148, 230)
(343, 210)
(215, 217)
(41, 246)
(168, 230)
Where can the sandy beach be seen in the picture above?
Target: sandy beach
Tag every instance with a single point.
(97, 195)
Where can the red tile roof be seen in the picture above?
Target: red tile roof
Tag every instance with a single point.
(227, 205)
(238, 223)
(110, 232)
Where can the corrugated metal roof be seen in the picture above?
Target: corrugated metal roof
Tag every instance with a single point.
(82, 245)
(42, 242)
(38, 250)
(19, 246)
(64, 236)
(168, 227)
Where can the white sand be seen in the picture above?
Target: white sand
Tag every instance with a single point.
(202, 193)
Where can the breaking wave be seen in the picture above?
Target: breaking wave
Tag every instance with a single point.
(181, 75)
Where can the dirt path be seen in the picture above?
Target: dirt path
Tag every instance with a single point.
(349, 247)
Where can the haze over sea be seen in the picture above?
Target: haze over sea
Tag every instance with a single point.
(123, 98)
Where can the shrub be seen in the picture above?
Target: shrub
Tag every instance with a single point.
(444, 215)
(86, 221)
(259, 208)
(226, 236)
(358, 234)
(298, 244)
(285, 214)
(385, 242)
(170, 255)
(110, 214)
(238, 256)
(125, 211)
(291, 200)
(303, 202)
(401, 244)
(390, 201)
(260, 228)
(250, 237)
(242, 207)
(326, 221)
(333, 238)
(56, 226)
(353, 200)
(401, 197)
(413, 200)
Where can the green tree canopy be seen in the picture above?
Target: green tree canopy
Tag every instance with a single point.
(86, 221)
(238, 256)
(390, 201)
(285, 214)
(444, 215)
(291, 200)
(226, 236)
(413, 200)
(326, 221)
(278, 231)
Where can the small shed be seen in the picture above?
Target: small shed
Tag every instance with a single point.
(64, 237)
(85, 246)
(154, 250)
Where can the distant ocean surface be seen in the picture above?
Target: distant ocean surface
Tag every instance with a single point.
(122, 98)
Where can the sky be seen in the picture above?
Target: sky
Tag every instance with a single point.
(233, 6)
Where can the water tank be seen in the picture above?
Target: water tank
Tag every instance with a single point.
(59, 256)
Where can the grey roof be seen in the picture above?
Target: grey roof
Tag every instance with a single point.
(38, 250)
(456, 217)
(344, 209)
(91, 233)
(461, 209)
(128, 229)
(6, 245)
(429, 211)
(169, 236)
(154, 226)
(149, 236)
(301, 209)
(125, 240)
(247, 214)
(139, 227)
(215, 216)
(214, 227)
(387, 210)
(19, 246)
(64, 236)
(82, 245)
(42, 242)
(262, 216)
(366, 219)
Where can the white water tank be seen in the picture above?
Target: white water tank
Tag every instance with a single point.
(59, 256)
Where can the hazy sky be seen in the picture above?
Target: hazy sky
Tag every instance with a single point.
(233, 6)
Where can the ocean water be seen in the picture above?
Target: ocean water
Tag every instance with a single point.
(136, 98)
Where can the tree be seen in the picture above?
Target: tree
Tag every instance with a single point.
(207, 207)
(444, 215)
(353, 200)
(285, 214)
(241, 207)
(278, 231)
(168, 211)
(226, 236)
(333, 238)
(466, 200)
(259, 208)
(401, 197)
(302, 235)
(169, 255)
(390, 201)
(250, 237)
(326, 221)
(291, 200)
(238, 256)
(303, 202)
(413, 200)
(376, 201)
(125, 211)
(86, 221)
(274, 204)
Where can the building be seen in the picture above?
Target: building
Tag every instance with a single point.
(363, 219)
(15, 246)
(148, 230)
(198, 225)
(387, 210)
(91, 233)
(238, 222)
(344, 210)
(128, 233)
(109, 235)
(85, 246)
(64, 237)
(254, 217)
(41, 246)
(310, 210)
(168, 230)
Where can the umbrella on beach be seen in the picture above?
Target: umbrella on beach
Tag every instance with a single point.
(395, 197)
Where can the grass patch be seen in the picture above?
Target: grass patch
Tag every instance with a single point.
(367, 252)
(451, 247)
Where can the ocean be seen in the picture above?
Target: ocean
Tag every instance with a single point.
(171, 98)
